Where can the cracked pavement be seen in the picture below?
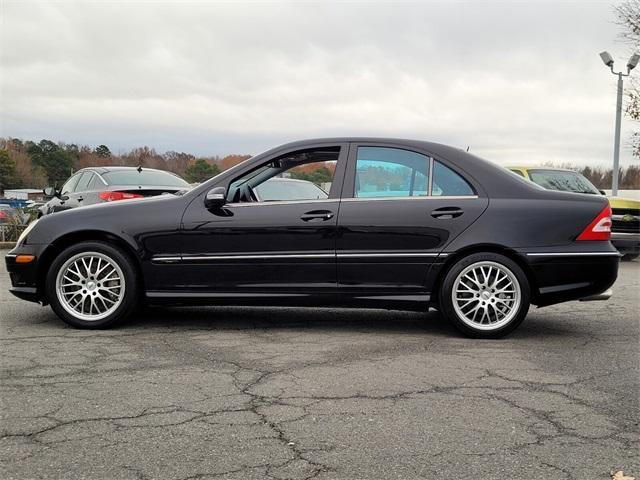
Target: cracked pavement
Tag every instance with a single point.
(248, 393)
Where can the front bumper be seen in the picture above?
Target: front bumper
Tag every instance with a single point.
(24, 276)
(626, 243)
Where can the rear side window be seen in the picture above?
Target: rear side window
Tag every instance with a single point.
(83, 183)
(144, 177)
(391, 172)
(446, 182)
(70, 185)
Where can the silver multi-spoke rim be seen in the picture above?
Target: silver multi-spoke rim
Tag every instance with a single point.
(486, 295)
(90, 286)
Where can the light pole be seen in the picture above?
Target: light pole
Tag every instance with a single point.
(631, 64)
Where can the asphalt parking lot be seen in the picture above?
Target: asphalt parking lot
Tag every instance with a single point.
(289, 393)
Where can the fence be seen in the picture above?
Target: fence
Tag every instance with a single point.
(10, 232)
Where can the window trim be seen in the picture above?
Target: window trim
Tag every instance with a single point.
(334, 194)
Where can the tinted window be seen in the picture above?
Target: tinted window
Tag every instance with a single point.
(449, 183)
(562, 180)
(83, 183)
(69, 186)
(144, 177)
(391, 172)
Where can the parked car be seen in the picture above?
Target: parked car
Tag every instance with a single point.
(8, 214)
(107, 184)
(452, 231)
(625, 230)
(276, 189)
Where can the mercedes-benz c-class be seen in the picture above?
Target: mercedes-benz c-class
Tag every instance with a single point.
(404, 224)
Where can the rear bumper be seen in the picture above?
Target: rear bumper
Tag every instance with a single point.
(626, 243)
(572, 275)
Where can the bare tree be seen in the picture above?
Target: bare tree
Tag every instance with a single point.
(628, 17)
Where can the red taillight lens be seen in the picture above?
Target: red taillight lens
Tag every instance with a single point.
(113, 196)
(599, 228)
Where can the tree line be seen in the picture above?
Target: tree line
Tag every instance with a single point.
(27, 164)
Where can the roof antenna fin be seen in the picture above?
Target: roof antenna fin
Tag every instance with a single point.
(140, 168)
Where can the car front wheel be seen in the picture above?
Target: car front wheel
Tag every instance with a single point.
(485, 295)
(92, 285)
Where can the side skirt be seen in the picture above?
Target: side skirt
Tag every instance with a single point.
(416, 302)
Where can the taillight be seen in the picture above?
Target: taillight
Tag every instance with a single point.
(599, 228)
(113, 196)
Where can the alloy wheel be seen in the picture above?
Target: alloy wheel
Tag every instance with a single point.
(486, 295)
(90, 286)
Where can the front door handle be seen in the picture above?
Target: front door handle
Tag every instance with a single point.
(323, 215)
(80, 199)
(447, 212)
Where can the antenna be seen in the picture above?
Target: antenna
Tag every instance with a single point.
(467, 148)
(139, 168)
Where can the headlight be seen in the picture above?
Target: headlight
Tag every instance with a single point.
(25, 232)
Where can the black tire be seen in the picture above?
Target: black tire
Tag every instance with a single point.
(629, 257)
(446, 301)
(116, 255)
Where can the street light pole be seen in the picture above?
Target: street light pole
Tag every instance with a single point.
(631, 64)
(616, 141)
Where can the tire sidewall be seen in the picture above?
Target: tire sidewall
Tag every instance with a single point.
(446, 302)
(129, 301)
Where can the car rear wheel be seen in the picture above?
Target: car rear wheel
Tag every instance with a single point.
(92, 285)
(485, 295)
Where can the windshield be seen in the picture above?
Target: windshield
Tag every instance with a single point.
(278, 189)
(562, 180)
(144, 177)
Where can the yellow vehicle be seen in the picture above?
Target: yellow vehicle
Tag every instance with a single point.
(625, 230)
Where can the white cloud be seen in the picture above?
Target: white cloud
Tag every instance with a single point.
(518, 82)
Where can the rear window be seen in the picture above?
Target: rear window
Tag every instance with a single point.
(144, 177)
(562, 180)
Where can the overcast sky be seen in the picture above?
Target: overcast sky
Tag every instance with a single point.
(518, 82)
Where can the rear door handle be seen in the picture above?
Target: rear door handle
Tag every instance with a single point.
(322, 215)
(447, 212)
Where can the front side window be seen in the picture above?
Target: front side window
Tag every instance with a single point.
(391, 172)
(448, 183)
(298, 176)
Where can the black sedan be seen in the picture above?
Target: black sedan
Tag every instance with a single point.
(406, 224)
(108, 184)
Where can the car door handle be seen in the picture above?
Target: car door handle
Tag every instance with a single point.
(80, 199)
(317, 215)
(447, 212)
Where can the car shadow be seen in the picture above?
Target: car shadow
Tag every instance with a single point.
(272, 318)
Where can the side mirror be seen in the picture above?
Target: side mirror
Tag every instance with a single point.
(602, 192)
(50, 192)
(215, 198)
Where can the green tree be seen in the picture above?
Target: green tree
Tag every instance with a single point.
(8, 176)
(200, 170)
(56, 162)
(103, 151)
